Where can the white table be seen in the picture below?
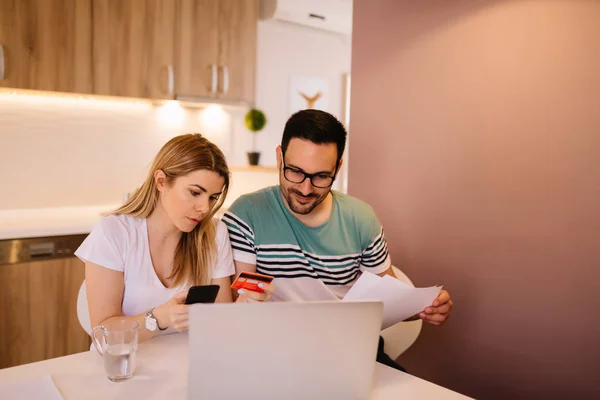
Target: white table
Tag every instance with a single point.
(162, 374)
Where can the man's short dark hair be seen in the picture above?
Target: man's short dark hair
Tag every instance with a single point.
(317, 126)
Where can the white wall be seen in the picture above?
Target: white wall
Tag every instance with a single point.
(286, 50)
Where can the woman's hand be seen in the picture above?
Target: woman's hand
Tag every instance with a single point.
(250, 296)
(174, 313)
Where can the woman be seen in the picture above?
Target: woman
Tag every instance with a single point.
(141, 259)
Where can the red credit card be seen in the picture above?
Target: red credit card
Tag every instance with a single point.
(250, 281)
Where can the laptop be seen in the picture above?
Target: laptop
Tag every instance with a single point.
(283, 350)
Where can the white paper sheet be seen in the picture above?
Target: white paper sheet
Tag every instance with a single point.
(362, 287)
(400, 301)
(40, 388)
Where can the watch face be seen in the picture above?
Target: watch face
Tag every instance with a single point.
(151, 324)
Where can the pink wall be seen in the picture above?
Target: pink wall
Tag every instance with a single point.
(475, 134)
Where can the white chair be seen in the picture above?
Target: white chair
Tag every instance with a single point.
(398, 338)
(83, 313)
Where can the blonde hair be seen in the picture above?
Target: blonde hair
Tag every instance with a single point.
(180, 156)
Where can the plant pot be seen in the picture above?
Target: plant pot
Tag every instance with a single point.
(253, 157)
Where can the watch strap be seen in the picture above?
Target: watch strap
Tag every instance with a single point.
(150, 314)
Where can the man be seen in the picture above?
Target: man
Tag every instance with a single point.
(315, 242)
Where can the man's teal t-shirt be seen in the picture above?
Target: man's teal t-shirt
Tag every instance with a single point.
(308, 263)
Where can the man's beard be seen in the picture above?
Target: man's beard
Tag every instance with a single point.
(299, 208)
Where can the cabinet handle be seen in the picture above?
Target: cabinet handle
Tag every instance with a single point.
(170, 80)
(1, 62)
(214, 78)
(225, 79)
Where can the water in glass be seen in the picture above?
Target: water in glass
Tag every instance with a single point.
(119, 361)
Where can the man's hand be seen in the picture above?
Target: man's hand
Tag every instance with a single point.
(249, 296)
(439, 311)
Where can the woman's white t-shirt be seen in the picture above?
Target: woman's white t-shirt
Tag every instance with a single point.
(120, 243)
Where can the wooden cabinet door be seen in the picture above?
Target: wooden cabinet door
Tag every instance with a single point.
(46, 44)
(197, 34)
(133, 48)
(38, 311)
(237, 49)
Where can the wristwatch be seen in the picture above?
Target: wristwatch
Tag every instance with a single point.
(150, 321)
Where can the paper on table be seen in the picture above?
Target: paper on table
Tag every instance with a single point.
(400, 301)
(39, 388)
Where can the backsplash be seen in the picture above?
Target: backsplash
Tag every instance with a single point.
(64, 151)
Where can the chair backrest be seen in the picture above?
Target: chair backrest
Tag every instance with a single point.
(83, 312)
(398, 338)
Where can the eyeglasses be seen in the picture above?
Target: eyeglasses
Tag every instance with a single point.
(320, 180)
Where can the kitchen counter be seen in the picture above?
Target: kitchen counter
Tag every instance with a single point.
(42, 222)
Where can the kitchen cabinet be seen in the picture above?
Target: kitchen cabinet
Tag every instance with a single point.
(197, 48)
(133, 48)
(216, 49)
(154, 49)
(45, 45)
(237, 48)
(38, 311)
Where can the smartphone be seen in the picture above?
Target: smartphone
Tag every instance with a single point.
(202, 294)
(250, 281)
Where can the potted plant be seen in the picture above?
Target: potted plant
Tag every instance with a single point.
(255, 121)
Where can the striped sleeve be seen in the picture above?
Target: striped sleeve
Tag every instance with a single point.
(376, 258)
(241, 236)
